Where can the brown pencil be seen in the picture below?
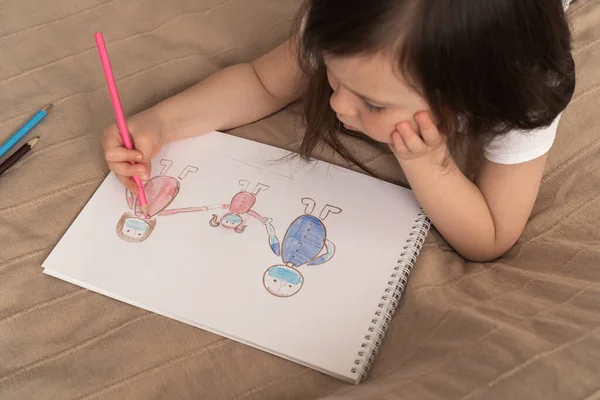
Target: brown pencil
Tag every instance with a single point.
(17, 155)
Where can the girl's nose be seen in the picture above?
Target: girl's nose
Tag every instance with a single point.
(343, 102)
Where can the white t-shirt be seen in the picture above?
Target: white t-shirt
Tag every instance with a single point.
(520, 146)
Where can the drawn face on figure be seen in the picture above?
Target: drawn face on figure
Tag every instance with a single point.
(133, 229)
(231, 221)
(283, 281)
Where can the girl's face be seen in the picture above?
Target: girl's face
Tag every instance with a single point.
(370, 96)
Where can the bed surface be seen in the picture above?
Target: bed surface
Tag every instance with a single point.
(526, 326)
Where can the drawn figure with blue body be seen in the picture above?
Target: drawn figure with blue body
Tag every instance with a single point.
(161, 190)
(305, 243)
(238, 210)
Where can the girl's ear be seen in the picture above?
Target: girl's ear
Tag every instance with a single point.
(213, 221)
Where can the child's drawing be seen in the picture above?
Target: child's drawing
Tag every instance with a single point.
(161, 190)
(187, 170)
(238, 210)
(166, 164)
(304, 243)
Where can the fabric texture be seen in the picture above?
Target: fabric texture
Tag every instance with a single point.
(526, 326)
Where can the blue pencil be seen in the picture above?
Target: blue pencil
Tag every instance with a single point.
(24, 130)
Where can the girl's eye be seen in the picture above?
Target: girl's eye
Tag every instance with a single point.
(373, 108)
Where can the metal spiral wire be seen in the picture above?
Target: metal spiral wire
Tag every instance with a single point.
(391, 298)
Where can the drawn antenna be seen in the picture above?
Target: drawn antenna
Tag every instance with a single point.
(259, 187)
(166, 165)
(244, 184)
(187, 170)
(310, 205)
(329, 209)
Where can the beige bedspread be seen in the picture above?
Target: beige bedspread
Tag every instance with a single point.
(525, 327)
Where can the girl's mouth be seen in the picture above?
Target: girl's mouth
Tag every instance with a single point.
(350, 127)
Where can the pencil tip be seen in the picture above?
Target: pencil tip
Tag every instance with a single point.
(48, 107)
(33, 141)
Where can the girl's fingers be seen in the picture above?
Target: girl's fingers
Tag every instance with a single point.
(129, 170)
(121, 154)
(398, 145)
(129, 184)
(147, 171)
(429, 131)
(411, 139)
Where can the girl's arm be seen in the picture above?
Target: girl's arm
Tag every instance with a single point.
(234, 96)
(216, 206)
(174, 211)
(481, 220)
(256, 215)
(273, 239)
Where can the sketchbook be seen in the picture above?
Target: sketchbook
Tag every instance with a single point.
(301, 259)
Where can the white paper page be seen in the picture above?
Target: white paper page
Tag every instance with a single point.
(212, 277)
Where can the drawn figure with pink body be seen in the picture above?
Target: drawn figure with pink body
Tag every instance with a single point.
(161, 190)
(305, 243)
(237, 212)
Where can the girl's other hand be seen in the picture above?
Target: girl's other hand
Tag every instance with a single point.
(409, 145)
(147, 136)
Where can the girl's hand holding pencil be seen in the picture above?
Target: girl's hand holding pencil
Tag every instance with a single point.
(147, 134)
(121, 123)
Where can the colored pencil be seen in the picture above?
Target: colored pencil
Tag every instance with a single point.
(24, 130)
(17, 155)
(118, 109)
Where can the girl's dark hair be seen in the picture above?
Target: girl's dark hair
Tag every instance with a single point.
(484, 67)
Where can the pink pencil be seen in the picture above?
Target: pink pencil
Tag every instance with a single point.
(116, 102)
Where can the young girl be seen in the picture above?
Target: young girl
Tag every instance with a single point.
(419, 76)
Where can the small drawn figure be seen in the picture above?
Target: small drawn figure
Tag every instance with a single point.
(303, 244)
(161, 190)
(239, 209)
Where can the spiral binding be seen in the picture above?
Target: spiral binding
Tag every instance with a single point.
(391, 298)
